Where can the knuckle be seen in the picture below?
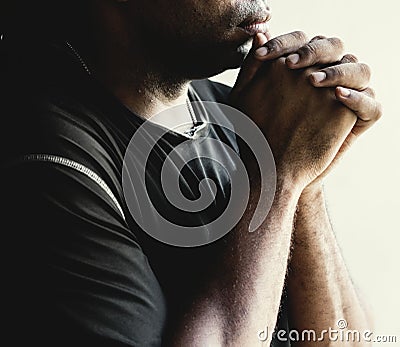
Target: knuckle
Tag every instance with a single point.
(299, 35)
(318, 37)
(370, 92)
(365, 70)
(350, 58)
(336, 42)
(336, 73)
(309, 51)
(275, 44)
(378, 110)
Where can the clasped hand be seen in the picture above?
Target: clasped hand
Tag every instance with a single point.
(310, 100)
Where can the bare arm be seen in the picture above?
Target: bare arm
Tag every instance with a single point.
(319, 287)
(245, 290)
(321, 294)
(307, 129)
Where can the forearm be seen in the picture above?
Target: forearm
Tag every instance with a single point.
(320, 290)
(245, 289)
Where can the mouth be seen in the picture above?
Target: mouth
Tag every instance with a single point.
(254, 25)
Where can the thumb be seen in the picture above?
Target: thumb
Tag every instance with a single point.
(250, 65)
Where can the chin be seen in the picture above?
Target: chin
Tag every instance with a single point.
(211, 66)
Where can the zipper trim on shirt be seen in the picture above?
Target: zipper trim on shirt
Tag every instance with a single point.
(77, 167)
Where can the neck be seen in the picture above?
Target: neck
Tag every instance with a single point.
(141, 83)
(143, 89)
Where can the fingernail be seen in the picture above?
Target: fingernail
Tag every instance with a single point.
(262, 51)
(318, 77)
(344, 92)
(293, 58)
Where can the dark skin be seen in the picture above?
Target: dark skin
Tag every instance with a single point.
(149, 46)
(146, 53)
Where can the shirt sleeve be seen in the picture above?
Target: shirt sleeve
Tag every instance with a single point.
(75, 273)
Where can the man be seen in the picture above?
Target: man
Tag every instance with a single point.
(80, 269)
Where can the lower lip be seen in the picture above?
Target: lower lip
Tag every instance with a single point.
(256, 28)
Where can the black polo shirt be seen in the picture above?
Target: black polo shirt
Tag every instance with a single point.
(78, 269)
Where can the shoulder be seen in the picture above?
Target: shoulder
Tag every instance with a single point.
(51, 107)
(56, 120)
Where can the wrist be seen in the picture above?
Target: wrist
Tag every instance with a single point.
(311, 201)
(313, 191)
(289, 179)
(288, 188)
